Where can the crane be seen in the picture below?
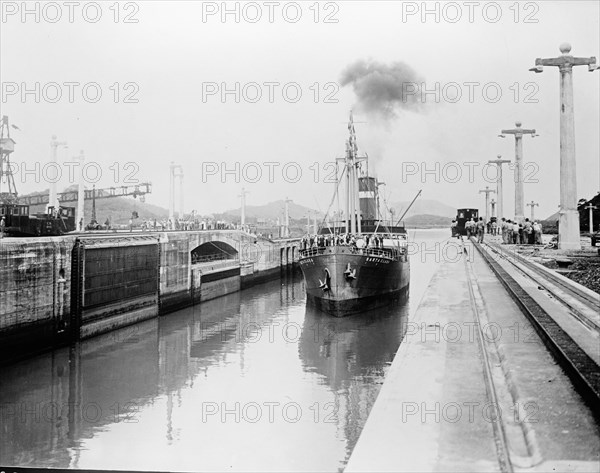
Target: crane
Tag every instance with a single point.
(71, 196)
(8, 190)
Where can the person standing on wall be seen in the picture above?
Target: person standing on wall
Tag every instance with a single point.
(480, 230)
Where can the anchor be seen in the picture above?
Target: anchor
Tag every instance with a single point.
(326, 285)
(350, 273)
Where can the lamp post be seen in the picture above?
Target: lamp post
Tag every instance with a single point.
(175, 171)
(243, 207)
(499, 192)
(532, 204)
(591, 208)
(81, 194)
(487, 192)
(53, 198)
(518, 132)
(568, 227)
(286, 230)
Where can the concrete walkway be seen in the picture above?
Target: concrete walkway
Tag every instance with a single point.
(431, 382)
(454, 400)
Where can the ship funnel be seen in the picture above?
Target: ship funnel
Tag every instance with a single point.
(367, 188)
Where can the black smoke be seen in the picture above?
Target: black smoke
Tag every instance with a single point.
(383, 90)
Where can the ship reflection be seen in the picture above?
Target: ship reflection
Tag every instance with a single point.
(352, 355)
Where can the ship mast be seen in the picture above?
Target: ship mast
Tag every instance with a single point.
(352, 195)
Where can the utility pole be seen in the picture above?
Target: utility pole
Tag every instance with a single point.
(568, 226)
(591, 208)
(487, 192)
(532, 204)
(518, 132)
(499, 192)
(53, 201)
(243, 209)
(81, 194)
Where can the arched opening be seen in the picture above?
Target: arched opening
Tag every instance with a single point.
(287, 255)
(213, 251)
(281, 260)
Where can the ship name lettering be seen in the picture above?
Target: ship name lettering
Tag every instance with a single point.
(377, 260)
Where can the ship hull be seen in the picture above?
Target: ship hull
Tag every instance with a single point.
(375, 280)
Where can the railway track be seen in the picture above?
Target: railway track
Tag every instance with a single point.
(583, 304)
(582, 370)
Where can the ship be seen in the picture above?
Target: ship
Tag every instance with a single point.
(361, 261)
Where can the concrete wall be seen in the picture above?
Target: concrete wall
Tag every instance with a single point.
(37, 313)
(258, 260)
(35, 284)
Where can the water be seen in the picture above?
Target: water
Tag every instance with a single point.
(253, 381)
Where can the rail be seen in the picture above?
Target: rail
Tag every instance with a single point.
(218, 264)
(588, 315)
(391, 253)
(578, 365)
(212, 258)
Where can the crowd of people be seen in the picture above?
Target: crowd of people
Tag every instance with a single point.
(346, 239)
(526, 233)
(512, 232)
(181, 224)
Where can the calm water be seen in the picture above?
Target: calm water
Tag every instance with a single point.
(250, 381)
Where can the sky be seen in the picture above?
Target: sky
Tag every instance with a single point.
(257, 95)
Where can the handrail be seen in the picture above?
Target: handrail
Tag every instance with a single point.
(210, 258)
(391, 253)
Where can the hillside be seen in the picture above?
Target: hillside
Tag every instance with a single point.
(117, 209)
(273, 210)
(424, 207)
(427, 221)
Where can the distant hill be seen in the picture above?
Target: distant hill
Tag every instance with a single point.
(117, 209)
(272, 210)
(424, 207)
(427, 221)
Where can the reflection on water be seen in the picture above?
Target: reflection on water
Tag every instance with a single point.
(251, 381)
(352, 354)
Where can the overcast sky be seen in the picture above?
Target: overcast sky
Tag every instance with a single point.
(173, 62)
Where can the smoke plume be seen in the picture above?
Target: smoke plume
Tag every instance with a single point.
(383, 90)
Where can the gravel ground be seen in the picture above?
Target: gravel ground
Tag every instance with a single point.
(583, 271)
(588, 274)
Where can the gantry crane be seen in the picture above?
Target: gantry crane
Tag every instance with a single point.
(71, 196)
(8, 190)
